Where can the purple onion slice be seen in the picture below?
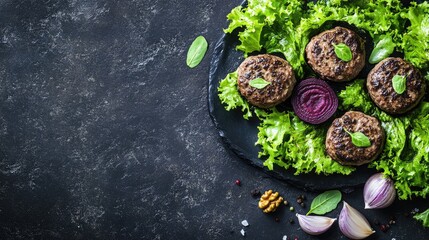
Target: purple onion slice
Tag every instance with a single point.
(314, 101)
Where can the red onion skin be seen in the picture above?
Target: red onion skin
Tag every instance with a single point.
(314, 101)
(374, 200)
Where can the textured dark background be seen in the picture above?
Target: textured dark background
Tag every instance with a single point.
(105, 132)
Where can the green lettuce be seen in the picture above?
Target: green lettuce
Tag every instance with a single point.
(423, 217)
(230, 96)
(416, 40)
(286, 141)
(270, 25)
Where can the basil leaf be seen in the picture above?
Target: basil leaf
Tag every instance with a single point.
(382, 49)
(325, 202)
(259, 83)
(399, 83)
(343, 52)
(359, 139)
(196, 51)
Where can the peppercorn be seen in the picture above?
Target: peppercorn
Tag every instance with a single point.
(376, 222)
(255, 192)
(384, 227)
(299, 200)
(291, 209)
(302, 205)
(238, 182)
(285, 202)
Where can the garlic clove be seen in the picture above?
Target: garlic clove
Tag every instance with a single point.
(379, 192)
(315, 225)
(353, 224)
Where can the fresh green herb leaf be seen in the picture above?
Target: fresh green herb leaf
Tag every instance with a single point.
(196, 52)
(399, 83)
(382, 49)
(259, 83)
(325, 202)
(343, 52)
(359, 139)
(423, 217)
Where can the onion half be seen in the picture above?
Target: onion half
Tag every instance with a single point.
(314, 101)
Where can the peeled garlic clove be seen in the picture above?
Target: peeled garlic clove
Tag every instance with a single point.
(353, 224)
(379, 192)
(314, 225)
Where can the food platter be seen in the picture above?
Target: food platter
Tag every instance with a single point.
(240, 135)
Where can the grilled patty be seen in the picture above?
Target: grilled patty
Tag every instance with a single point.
(339, 144)
(380, 88)
(272, 69)
(322, 58)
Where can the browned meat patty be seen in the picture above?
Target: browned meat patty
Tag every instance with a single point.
(322, 58)
(272, 69)
(380, 88)
(339, 144)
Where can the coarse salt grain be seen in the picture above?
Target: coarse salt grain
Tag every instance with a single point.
(284, 237)
(243, 232)
(245, 223)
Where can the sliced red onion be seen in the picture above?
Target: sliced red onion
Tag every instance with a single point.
(379, 191)
(314, 101)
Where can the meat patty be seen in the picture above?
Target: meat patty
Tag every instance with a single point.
(272, 69)
(322, 58)
(339, 144)
(380, 87)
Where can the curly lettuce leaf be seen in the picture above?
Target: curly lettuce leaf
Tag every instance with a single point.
(423, 217)
(265, 24)
(416, 39)
(230, 96)
(286, 141)
(353, 97)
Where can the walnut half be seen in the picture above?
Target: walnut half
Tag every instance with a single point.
(270, 201)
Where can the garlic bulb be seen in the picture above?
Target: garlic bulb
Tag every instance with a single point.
(379, 192)
(314, 225)
(353, 224)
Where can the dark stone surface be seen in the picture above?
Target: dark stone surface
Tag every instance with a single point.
(105, 133)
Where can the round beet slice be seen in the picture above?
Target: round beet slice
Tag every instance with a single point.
(314, 101)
